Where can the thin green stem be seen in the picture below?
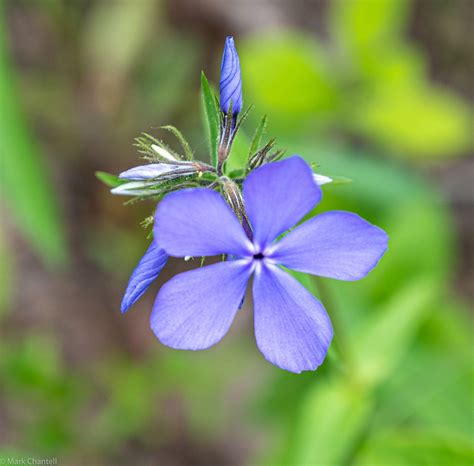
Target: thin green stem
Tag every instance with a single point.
(340, 343)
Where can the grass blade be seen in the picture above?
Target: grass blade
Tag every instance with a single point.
(24, 181)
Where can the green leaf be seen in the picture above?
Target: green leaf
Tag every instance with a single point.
(413, 447)
(25, 183)
(384, 339)
(184, 143)
(364, 27)
(212, 113)
(130, 392)
(418, 393)
(332, 417)
(301, 85)
(415, 120)
(6, 275)
(234, 174)
(114, 35)
(109, 179)
(258, 135)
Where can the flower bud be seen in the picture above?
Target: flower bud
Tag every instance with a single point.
(231, 83)
(156, 170)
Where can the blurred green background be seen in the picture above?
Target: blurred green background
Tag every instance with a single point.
(379, 91)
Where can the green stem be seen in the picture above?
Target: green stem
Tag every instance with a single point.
(340, 343)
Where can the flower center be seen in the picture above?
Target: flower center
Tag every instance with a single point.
(258, 256)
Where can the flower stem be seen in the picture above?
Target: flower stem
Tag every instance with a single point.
(340, 343)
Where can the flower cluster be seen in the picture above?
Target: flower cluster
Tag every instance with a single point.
(249, 219)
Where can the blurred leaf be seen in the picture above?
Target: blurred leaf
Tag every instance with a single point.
(393, 103)
(212, 117)
(387, 336)
(398, 65)
(207, 405)
(130, 393)
(33, 362)
(288, 78)
(432, 392)
(257, 137)
(6, 275)
(23, 179)
(372, 47)
(164, 81)
(366, 27)
(410, 447)
(332, 416)
(373, 84)
(43, 396)
(115, 34)
(434, 389)
(415, 120)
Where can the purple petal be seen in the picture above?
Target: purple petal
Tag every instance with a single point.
(277, 196)
(195, 309)
(231, 82)
(292, 328)
(145, 272)
(198, 222)
(335, 244)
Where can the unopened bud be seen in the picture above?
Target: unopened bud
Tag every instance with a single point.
(230, 85)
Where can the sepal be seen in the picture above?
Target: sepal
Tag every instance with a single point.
(257, 137)
(108, 179)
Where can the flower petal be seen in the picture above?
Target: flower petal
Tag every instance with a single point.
(145, 273)
(277, 196)
(335, 244)
(195, 309)
(321, 179)
(292, 328)
(198, 222)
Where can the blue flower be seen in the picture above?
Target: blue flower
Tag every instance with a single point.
(195, 309)
(231, 83)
